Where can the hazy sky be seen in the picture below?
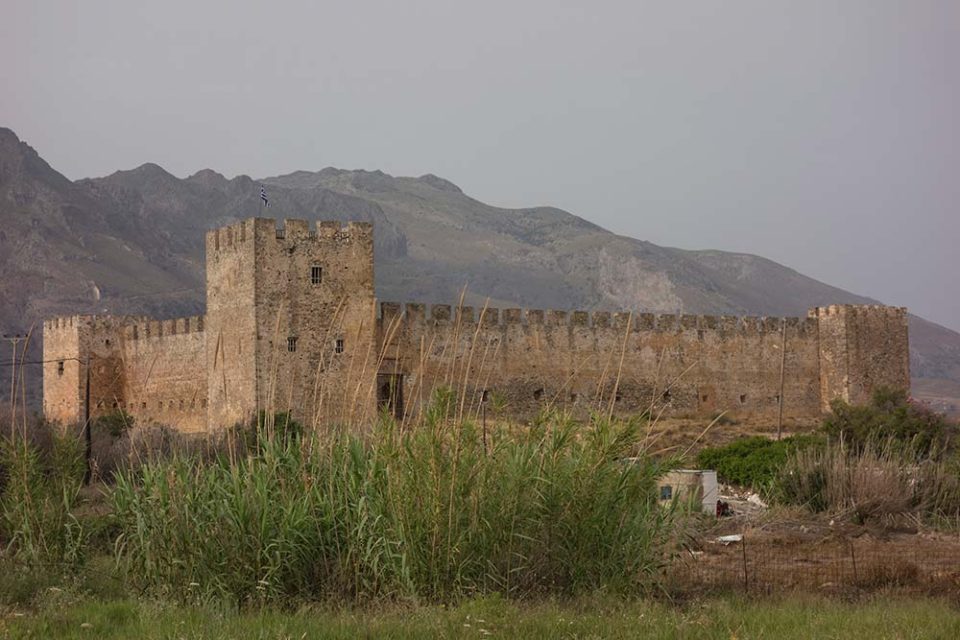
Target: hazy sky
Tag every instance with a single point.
(824, 135)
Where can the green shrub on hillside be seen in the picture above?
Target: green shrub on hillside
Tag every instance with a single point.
(752, 462)
(890, 416)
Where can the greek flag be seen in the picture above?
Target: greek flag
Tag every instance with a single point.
(263, 196)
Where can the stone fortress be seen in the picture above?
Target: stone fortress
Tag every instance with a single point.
(292, 324)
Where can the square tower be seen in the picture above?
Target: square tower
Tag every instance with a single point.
(290, 320)
(862, 348)
(75, 347)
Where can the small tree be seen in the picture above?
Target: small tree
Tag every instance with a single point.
(891, 415)
(115, 424)
(753, 461)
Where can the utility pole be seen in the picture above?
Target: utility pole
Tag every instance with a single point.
(88, 472)
(13, 340)
(483, 412)
(783, 362)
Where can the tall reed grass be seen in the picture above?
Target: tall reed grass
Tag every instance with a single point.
(875, 480)
(40, 489)
(428, 514)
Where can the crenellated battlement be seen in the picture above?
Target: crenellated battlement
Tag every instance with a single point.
(857, 309)
(229, 238)
(63, 324)
(160, 328)
(416, 313)
(89, 323)
(129, 327)
(297, 229)
(235, 236)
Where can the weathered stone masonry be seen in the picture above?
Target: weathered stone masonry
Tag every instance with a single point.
(292, 324)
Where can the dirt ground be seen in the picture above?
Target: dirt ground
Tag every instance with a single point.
(784, 549)
(668, 436)
(791, 549)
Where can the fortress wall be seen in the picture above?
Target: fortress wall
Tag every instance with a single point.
(165, 372)
(741, 362)
(581, 362)
(292, 325)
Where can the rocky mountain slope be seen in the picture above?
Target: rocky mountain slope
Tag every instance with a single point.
(133, 242)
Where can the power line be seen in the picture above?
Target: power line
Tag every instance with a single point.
(18, 362)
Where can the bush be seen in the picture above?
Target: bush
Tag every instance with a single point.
(141, 443)
(884, 459)
(136, 445)
(891, 417)
(752, 462)
(113, 424)
(425, 514)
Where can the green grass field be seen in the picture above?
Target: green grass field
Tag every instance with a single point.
(62, 616)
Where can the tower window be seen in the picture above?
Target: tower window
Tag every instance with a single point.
(60, 368)
(338, 346)
(291, 344)
(316, 274)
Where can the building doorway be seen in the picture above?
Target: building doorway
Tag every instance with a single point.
(390, 394)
